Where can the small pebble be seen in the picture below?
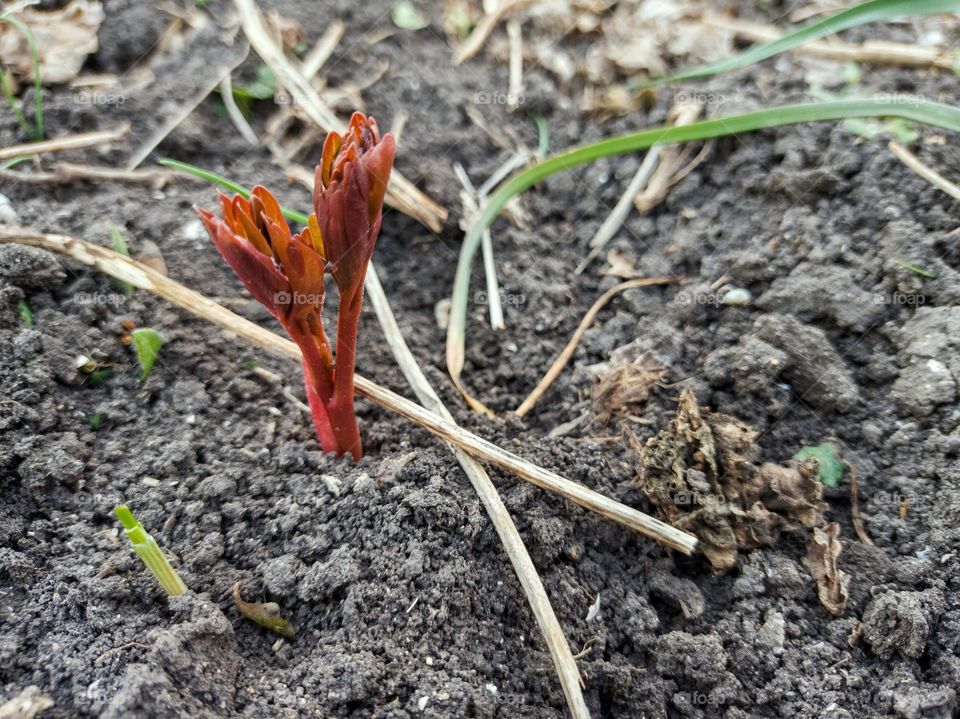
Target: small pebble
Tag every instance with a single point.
(422, 704)
(7, 214)
(738, 297)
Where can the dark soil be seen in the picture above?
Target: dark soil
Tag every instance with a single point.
(403, 601)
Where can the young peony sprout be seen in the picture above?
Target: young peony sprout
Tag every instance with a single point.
(284, 272)
(147, 549)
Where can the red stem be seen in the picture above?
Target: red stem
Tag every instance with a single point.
(317, 376)
(341, 406)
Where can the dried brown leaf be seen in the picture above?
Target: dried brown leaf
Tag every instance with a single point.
(64, 37)
(821, 560)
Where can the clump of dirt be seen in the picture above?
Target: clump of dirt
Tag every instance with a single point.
(701, 471)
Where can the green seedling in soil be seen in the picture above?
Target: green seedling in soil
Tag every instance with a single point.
(37, 80)
(919, 110)
(94, 371)
(120, 247)
(868, 12)
(14, 161)
(917, 270)
(147, 343)
(285, 272)
(266, 614)
(147, 549)
(831, 468)
(262, 87)
(406, 16)
(543, 136)
(26, 314)
(95, 421)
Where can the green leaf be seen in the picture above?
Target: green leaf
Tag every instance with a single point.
(262, 87)
(917, 270)
(95, 421)
(922, 111)
(872, 11)
(406, 16)
(120, 247)
(147, 342)
(831, 468)
(902, 130)
(26, 314)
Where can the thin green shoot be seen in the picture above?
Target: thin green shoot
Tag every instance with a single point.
(14, 161)
(147, 342)
(6, 81)
(918, 110)
(543, 136)
(37, 79)
(26, 314)
(147, 549)
(226, 184)
(917, 270)
(96, 420)
(119, 246)
(868, 12)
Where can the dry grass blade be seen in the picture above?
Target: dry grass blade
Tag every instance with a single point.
(402, 194)
(872, 52)
(855, 517)
(69, 142)
(323, 48)
(621, 210)
(233, 112)
(507, 531)
(143, 277)
(62, 172)
(183, 111)
(471, 46)
(564, 357)
(927, 173)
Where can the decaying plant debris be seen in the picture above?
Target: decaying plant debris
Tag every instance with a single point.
(701, 472)
(625, 383)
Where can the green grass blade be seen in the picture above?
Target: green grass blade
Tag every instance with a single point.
(872, 11)
(149, 552)
(119, 246)
(921, 111)
(37, 80)
(226, 184)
